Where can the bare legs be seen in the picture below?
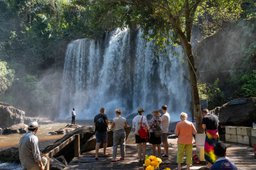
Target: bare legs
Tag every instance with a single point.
(165, 144)
(141, 151)
(97, 147)
(97, 150)
(154, 147)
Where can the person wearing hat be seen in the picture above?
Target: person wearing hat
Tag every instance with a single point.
(137, 122)
(155, 132)
(118, 125)
(222, 161)
(165, 129)
(29, 153)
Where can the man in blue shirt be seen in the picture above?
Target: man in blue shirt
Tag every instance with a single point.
(222, 162)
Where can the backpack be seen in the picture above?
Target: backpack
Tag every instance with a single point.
(157, 130)
(100, 124)
(143, 130)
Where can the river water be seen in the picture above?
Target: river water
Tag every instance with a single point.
(11, 166)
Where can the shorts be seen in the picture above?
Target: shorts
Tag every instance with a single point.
(164, 137)
(101, 137)
(138, 139)
(187, 148)
(154, 140)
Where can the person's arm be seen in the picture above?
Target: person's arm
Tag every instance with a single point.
(134, 123)
(125, 123)
(204, 126)
(35, 151)
(204, 123)
(113, 125)
(177, 130)
(194, 129)
(106, 119)
(146, 122)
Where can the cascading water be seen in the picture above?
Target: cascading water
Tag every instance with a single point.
(123, 71)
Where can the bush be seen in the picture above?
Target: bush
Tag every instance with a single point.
(211, 93)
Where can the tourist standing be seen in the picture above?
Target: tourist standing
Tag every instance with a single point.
(73, 116)
(210, 124)
(155, 132)
(138, 121)
(101, 127)
(165, 129)
(185, 131)
(118, 125)
(29, 153)
(222, 161)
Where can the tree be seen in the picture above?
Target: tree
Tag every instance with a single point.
(169, 20)
(6, 76)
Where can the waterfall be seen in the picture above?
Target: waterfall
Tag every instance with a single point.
(124, 71)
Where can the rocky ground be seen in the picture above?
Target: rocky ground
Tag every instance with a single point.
(45, 139)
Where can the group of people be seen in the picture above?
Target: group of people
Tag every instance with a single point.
(157, 129)
(214, 150)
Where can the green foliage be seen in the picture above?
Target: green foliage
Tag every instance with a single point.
(213, 14)
(247, 83)
(211, 93)
(6, 76)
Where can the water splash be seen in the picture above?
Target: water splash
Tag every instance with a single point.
(123, 71)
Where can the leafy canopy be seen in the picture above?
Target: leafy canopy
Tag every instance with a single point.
(159, 17)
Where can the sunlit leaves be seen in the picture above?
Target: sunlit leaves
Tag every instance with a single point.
(212, 14)
(6, 76)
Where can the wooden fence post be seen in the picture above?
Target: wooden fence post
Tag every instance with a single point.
(77, 146)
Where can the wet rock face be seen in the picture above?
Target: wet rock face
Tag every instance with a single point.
(238, 112)
(10, 115)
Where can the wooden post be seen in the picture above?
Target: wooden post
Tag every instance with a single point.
(77, 146)
(47, 167)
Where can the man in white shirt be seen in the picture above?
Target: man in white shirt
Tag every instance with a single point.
(165, 129)
(73, 114)
(118, 125)
(29, 153)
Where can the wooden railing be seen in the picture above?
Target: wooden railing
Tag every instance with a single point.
(75, 139)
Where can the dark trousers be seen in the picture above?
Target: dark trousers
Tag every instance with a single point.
(73, 121)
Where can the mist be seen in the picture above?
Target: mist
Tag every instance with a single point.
(224, 54)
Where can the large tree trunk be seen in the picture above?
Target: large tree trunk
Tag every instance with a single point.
(196, 108)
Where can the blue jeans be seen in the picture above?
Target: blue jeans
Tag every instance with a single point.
(118, 139)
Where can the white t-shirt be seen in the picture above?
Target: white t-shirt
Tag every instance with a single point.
(136, 123)
(73, 113)
(165, 122)
(119, 123)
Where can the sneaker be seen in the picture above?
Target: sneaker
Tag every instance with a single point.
(165, 156)
(121, 159)
(114, 160)
(96, 158)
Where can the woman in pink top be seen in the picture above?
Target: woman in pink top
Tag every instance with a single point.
(185, 131)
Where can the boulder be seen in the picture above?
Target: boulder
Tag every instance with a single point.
(10, 115)
(17, 128)
(238, 112)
